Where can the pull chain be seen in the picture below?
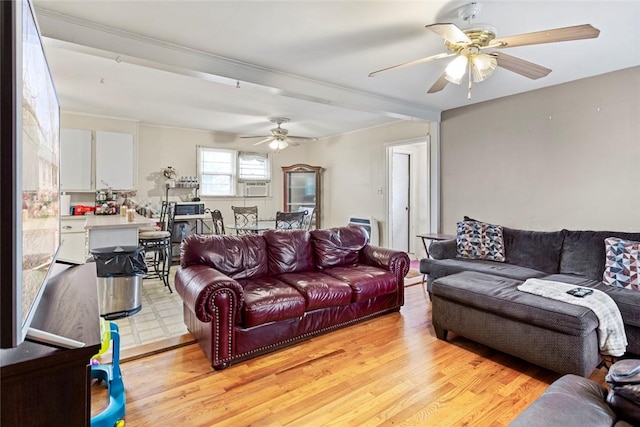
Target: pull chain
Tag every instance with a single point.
(469, 74)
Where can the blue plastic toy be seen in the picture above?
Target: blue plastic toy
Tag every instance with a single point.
(113, 415)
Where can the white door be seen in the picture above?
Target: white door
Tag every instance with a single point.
(400, 201)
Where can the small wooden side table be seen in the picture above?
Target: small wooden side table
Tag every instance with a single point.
(428, 238)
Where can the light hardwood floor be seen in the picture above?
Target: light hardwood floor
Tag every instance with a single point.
(387, 371)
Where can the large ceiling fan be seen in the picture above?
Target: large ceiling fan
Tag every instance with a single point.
(471, 48)
(280, 138)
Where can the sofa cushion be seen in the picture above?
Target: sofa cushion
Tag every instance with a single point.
(366, 281)
(268, 299)
(445, 267)
(500, 295)
(318, 289)
(338, 246)
(239, 257)
(289, 251)
(627, 302)
(569, 401)
(622, 265)
(479, 240)
(583, 252)
(539, 250)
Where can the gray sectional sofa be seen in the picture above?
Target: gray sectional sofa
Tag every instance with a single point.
(571, 401)
(479, 299)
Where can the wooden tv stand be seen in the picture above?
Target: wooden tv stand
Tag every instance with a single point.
(41, 385)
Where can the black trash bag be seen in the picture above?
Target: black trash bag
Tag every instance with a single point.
(118, 261)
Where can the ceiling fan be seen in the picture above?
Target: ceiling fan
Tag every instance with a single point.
(471, 50)
(280, 138)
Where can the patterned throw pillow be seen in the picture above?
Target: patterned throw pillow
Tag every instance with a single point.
(479, 240)
(622, 266)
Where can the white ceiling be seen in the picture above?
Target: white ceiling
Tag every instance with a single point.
(177, 63)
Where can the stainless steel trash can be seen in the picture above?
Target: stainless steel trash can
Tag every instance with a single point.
(120, 270)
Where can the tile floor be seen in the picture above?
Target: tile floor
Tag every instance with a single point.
(159, 318)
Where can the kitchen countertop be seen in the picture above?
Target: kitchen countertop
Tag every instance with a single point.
(73, 217)
(116, 221)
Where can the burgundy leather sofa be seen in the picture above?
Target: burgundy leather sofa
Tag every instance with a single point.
(247, 295)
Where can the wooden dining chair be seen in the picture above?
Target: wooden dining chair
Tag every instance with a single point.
(290, 220)
(308, 217)
(245, 218)
(218, 222)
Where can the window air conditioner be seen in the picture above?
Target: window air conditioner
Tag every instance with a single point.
(256, 189)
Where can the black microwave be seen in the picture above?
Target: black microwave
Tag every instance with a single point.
(190, 208)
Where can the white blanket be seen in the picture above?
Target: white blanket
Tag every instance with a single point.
(611, 337)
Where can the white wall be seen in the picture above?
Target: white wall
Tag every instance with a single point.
(354, 181)
(166, 146)
(566, 156)
(158, 147)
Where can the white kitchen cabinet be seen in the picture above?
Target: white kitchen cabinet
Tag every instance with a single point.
(74, 239)
(115, 160)
(75, 160)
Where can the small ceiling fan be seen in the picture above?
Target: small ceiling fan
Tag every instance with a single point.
(280, 138)
(470, 48)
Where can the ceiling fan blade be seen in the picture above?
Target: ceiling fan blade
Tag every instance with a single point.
(302, 138)
(255, 136)
(416, 62)
(263, 141)
(449, 32)
(520, 66)
(439, 84)
(577, 32)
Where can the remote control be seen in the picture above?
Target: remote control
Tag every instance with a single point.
(580, 292)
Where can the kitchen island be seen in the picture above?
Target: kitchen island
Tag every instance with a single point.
(114, 230)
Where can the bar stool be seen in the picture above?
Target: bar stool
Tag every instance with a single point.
(158, 245)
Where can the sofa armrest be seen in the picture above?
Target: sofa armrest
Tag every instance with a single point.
(202, 288)
(570, 400)
(395, 261)
(443, 249)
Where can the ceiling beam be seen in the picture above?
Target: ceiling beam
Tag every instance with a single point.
(97, 39)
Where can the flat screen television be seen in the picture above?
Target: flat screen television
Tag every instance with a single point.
(30, 159)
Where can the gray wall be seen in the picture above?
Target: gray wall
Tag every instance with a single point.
(566, 156)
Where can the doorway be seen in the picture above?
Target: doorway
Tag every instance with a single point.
(408, 195)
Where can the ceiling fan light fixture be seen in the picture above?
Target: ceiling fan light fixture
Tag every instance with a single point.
(278, 144)
(482, 66)
(456, 69)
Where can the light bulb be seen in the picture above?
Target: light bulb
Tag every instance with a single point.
(483, 66)
(278, 144)
(456, 69)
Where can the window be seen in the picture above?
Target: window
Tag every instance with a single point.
(221, 170)
(253, 167)
(217, 171)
